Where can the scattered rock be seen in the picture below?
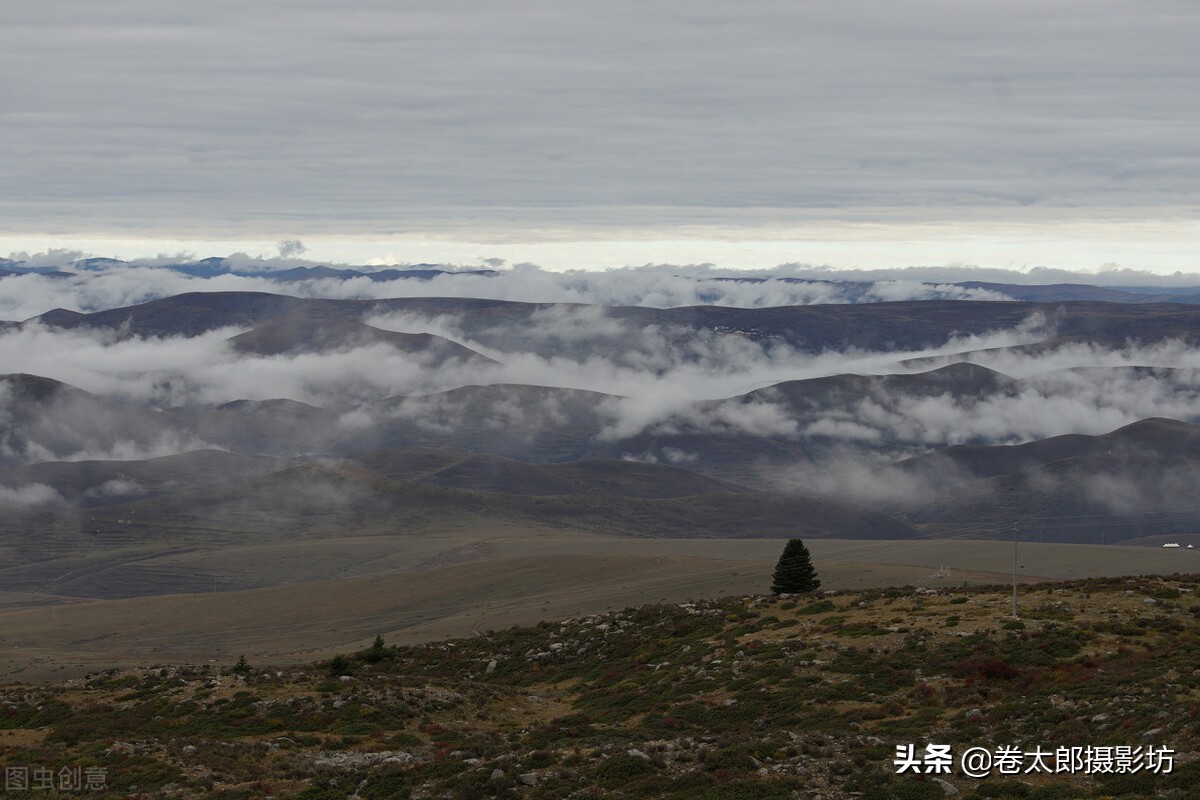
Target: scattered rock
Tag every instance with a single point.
(946, 786)
(354, 760)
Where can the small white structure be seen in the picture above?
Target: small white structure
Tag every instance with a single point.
(1173, 544)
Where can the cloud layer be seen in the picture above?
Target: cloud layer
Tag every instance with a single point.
(134, 115)
(99, 287)
(661, 381)
(25, 296)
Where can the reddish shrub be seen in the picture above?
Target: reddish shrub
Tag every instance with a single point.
(986, 667)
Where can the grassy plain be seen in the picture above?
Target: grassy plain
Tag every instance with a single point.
(313, 597)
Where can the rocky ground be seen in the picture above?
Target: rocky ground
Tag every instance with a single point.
(751, 698)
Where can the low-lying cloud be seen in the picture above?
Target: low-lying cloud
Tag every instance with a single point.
(29, 495)
(656, 382)
(28, 295)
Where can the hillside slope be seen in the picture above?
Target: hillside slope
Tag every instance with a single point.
(747, 697)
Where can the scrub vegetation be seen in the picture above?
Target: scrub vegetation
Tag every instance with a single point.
(758, 697)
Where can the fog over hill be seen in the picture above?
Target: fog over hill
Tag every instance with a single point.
(32, 284)
(142, 446)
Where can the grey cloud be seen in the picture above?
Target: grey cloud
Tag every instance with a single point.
(661, 381)
(25, 296)
(876, 429)
(121, 450)
(659, 368)
(1107, 276)
(397, 117)
(50, 258)
(31, 494)
(291, 247)
(117, 487)
(659, 371)
(166, 372)
(1048, 403)
(658, 285)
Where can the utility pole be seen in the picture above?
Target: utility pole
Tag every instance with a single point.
(1014, 527)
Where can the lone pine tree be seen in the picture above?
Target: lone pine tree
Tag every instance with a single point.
(794, 574)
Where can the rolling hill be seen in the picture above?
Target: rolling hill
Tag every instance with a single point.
(1135, 482)
(552, 456)
(327, 497)
(94, 483)
(43, 419)
(316, 330)
(180, 315)
(592, 476)
(1162, 439)
(326, 500)
(907, 325)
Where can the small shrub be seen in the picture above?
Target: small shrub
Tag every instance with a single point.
(818, 607)
(620, 769)
(985, 667)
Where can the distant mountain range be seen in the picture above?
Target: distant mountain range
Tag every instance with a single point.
(501, 324)
(214, 267)
(421, 454)
(852, 291)
(938, 446)
(544, 424)
(313, 329)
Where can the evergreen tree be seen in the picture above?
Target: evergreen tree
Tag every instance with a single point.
(794, 574)
(241, 667)
(376, 652)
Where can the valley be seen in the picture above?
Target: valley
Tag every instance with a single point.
(283, 476)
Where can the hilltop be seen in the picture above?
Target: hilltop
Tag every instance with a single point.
(766, 698)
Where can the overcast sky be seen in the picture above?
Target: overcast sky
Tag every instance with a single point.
(855, 133)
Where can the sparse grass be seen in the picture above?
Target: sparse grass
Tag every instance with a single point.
(741, 698)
